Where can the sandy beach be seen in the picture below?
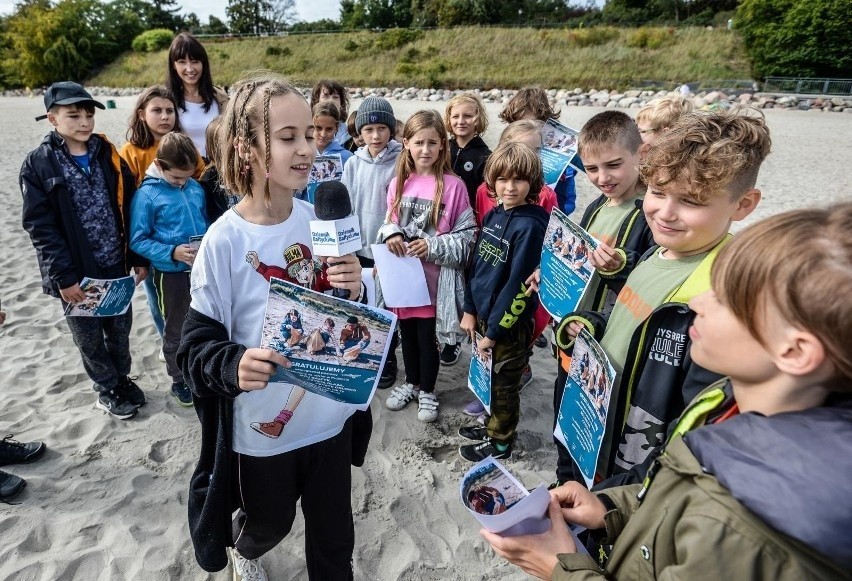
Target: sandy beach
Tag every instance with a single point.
(108, 499)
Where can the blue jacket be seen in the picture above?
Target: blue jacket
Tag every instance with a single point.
(163, 216)
(333, 148)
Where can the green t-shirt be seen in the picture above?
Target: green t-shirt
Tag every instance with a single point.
(646, 288)
(604, 227)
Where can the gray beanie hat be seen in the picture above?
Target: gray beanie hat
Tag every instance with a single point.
(375, 110)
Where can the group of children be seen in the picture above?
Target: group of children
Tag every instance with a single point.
(671, 184)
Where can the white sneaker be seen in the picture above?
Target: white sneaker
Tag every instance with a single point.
(246, 569)
(400, 396)
(427, 407)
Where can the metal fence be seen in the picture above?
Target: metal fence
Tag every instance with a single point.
(808, 86)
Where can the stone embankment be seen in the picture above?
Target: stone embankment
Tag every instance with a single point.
(632, 99)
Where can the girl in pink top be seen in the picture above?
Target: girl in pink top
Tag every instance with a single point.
(425, 200)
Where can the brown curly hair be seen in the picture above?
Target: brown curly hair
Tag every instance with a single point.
(710, 152)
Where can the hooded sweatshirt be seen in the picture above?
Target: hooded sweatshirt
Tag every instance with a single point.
(469, 164)
(163, 216)
(367, 180)
(507, 252)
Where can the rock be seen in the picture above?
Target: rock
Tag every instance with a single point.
(588, 103)
(699, 103)
(712, 97)
(847, 110)
(612, 105)
(571, 103)
(601, 96)
(632, 93)
(804, 106)
(578, 91)
(561, 95)
(637, 105)
(616, 97)
(435, 97)
(627, 101)
(745, 98)
(551, 93)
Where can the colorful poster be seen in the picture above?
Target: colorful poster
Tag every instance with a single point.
(501, 503)
(558, 151)
(326, 168)
(336, 347)
(479, 375)
(565, 267)
(581, 422)
(104, 297)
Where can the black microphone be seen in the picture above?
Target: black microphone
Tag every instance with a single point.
(338, 236)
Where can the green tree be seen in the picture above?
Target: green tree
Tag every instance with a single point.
(260, 16)
(809, 38)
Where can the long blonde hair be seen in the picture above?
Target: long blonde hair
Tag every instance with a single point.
(425, 119)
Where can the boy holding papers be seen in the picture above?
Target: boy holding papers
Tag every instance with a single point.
(497, 304)
(701, 178)
(753, 482)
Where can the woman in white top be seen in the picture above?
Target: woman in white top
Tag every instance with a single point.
(189, 79)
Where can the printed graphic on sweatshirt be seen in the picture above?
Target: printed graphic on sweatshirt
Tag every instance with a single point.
(668, 347)
(492, 249)
(416, 214)
(300, 268)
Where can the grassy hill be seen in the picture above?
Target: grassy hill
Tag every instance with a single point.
(601, 57)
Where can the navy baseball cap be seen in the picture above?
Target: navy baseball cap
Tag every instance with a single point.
(67, 93)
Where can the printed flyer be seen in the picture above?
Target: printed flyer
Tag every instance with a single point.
(326, 168)
(559, 150)
(501, 503)
(581, 422)
(479, 375)
(336, 347)
(104, 297)
(565, 267)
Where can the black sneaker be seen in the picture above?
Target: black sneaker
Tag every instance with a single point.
(14, 452)
(475, 433)
(131, 392)
(182, 394)
(541, 342)
(388, 375)
(115, 405)
(10, 486)
(450, 354)
(482, 450)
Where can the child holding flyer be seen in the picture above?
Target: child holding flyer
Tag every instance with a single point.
(733, 494)
(76, 204)
(266, 151)
(496, 304)
(167, 211)
(429, 217)
(701, 178)
(331, 165)
(532, 103)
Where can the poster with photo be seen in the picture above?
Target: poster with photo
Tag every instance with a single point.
(565, 267)
(581, 421)
(326, 168)
(336, 347)
(479, 375)
(558, 151)
(104, 297)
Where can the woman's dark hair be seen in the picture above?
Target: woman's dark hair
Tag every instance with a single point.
(186, 46)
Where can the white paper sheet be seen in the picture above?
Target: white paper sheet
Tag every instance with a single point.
(403, 280)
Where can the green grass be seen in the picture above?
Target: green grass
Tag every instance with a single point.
(466, 58)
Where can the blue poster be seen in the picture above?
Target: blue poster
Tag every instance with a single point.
(479, 376)
(326, 168)
(565, 267)
(581, 422)
(558, 151)
(336, 347)
(104, 297)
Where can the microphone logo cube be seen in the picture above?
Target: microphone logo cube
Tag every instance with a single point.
(336, 237)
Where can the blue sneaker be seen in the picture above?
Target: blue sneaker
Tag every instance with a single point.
(182, 394)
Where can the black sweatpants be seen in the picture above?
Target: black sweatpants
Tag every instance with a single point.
(268, 488)
(173, 298)
(420, 352)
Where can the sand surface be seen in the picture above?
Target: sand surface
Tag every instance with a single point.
(108, 499)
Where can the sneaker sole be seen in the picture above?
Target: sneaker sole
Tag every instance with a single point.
(450, 363)
(182, 403)
(15, 492)
(99, 405)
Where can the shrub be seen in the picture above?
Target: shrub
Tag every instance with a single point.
(396, 37)
(592, 36)
(651, 37)
(152, 40)
(278, 51)
(808, 38)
